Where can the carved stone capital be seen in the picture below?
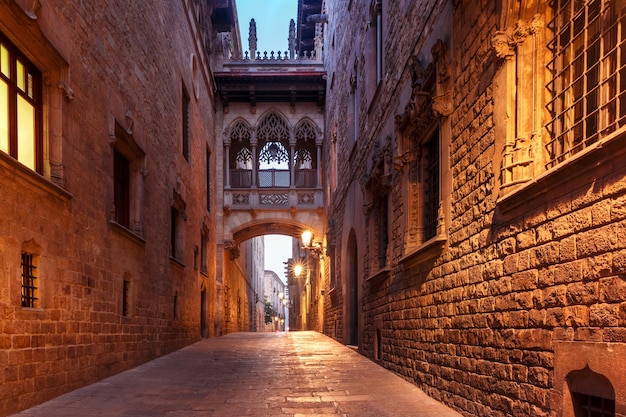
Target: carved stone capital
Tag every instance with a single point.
(503, 44)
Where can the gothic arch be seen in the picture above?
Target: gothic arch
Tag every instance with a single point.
(239, 136)
(305, 155)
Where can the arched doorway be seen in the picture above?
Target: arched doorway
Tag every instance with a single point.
(203, 328)
(352, 292)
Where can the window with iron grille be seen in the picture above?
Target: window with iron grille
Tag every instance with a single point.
(588, 69)
(430, 208)
(586, 405)
(424, 173)
(29, 281)
(21, 109)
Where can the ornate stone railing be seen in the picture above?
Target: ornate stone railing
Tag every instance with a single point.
(273, 198)
(277, 56)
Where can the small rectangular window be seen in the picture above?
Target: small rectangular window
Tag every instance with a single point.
(121, 188)
(125, 297)
(204, 243)
(185, 118)
(29, 281)
(208, 180)
(173, 232)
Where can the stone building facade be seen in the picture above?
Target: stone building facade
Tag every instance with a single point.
(107, 202)
(475, 189)
(276, 294)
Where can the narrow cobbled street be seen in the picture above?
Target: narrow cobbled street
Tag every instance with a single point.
(251, 374)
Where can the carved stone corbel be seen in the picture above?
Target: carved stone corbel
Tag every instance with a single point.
(67, 91)
(232, 249)
(130, 122)
(442, 104)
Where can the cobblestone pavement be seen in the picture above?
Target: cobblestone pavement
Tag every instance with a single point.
(292, 374)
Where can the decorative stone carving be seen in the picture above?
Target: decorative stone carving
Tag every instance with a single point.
(378, 179)
(442, 100)
(233, 249)
(68, 93)
(292, 39)
(130, 121)
(440, 57)
(252, 39)
(505, 42)
(502, 44)
(318, 41)
(30, 7)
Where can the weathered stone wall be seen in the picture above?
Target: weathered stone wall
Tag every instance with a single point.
(126, 62)
(522, 278)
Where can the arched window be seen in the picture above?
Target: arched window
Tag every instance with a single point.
(592, 394)
(240, 156)
(273, 155)
(305, 155)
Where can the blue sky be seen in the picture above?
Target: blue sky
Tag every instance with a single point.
(272, 22)
(272, 31)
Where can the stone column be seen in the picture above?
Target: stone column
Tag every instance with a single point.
(227, 162)
(255, 159)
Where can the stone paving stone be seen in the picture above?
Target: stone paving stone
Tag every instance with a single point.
(296, 374)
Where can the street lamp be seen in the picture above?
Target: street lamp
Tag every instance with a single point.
(311, 245)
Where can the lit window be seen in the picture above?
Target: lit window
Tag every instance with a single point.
(589, 66)
(20, 109)
(29, 281)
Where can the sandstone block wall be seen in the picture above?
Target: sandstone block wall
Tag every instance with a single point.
(522, 278)
(125, 63)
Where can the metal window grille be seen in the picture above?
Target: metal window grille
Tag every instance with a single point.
(588, 75)
(29, 284)
(592, 406)
(431, 186)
